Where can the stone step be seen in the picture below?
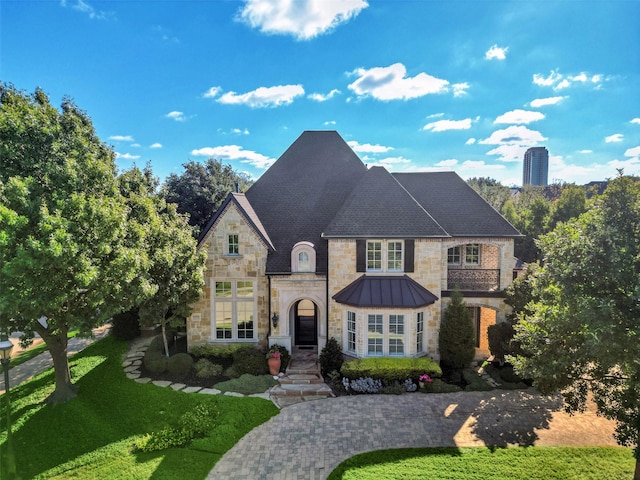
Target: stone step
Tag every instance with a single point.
(298, 390)
(301, 378)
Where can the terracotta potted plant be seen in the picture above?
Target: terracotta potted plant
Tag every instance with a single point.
(274, 361)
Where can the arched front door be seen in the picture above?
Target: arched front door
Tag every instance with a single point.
(306, 323)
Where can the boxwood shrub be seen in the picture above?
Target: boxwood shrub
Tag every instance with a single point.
(390, 370)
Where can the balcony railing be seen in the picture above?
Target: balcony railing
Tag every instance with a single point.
(482, 280)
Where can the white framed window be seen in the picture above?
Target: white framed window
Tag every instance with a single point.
(234, 310)
(385, 256)
(375, 335)
(420, 332)
(453, 256)
(303, 257)
(472, 254)
(351, 331)
(396, 335)
(233, 245)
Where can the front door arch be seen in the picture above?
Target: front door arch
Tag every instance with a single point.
(306, 323)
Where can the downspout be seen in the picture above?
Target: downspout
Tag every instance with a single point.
(269, 312)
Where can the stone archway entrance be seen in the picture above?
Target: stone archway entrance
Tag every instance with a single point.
(305, 323)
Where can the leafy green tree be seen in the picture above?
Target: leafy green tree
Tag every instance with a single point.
(202, 188)
(65, 260)
(582, 331)
(457, 335)
(176, 269)
(571, 204)
(491, 190)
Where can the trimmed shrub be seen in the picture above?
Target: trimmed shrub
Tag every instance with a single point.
(457, 335)
(475, 383)
(180, 364)
(390, 370)
(249, 360)
(508, 375)
(438, 386)
(155, 362)
(500, 336)
(247, 384)
(125, 325)
(220, 351)
(206, 368)
(331, 357)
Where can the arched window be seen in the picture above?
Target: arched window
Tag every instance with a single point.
(303, 257)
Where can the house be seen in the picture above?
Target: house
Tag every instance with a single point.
(320, 247)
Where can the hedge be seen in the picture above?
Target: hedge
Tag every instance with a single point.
(390, 370)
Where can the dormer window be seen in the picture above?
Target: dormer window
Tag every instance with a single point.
(303, 257)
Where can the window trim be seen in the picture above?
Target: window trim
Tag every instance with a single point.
(468, 255)
(352, 329)
(231, 245)
(384, 255)
(420, 332)
(455, 255)
(235, 300)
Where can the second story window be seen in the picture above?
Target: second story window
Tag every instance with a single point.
(304, 264)
(394, 256)
(233, 246)
(453, 256)
(384, 256)
(472, 254)
(374, 256)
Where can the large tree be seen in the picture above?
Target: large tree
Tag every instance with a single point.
(201, 188)
(176, 266)
(581, 334)
(66, 261)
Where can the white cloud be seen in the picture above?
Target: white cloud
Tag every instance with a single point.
(517, 135)
(444, 125)
(137, 145)
(127, 156)
(460, 89)
(389, 162)
(367, 147)
(235, 152)
(329, 122)
(632, 152)
(496, 53)
(121, 138)
(391, 83)
(435, 115)
(177, 116)
(616, 137)
(213, 92)
(319, 97)
(155, 145)
(509, 152)
(302, 19)
(585, 151)
(519, 116)
(264, 96)
(239, 131)
(85, 7)
(474, 165)
(471, 141)
(636, 120)
(543, 102)
(560, 82)
(447, 163)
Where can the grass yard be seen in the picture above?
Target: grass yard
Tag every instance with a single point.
(32, 352)
(93, 436)
(513, 463)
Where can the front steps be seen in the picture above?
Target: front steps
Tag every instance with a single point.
(302, 381)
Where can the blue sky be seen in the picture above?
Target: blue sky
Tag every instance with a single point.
(412, 85)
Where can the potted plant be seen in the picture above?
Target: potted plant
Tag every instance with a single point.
(274, 361)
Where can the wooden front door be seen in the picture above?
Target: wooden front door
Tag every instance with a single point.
(306, 323)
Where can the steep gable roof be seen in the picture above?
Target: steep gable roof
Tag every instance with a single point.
(301, 192)
(380, 207)
(457, 207)
(240, 200)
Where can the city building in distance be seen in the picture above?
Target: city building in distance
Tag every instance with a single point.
(535, 170)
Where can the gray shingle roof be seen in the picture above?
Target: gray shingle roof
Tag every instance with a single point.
(301, 192)
(387, 291)
(457, 207)
(380, 207)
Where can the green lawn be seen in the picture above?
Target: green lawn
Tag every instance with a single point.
(92, 436)
(513, 463)
(34, 352)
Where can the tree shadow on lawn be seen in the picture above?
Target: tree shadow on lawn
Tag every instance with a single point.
(512, 417)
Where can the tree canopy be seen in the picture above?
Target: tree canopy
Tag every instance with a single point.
(202, 188)
(581, 332)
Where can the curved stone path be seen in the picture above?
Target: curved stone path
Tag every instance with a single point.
(308, 440)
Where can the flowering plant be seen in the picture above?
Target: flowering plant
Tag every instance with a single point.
(425, 378)
(273, 353)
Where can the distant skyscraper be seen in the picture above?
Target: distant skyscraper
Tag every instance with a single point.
(536, 166)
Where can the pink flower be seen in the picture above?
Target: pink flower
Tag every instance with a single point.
(425, 378)
(276, 355)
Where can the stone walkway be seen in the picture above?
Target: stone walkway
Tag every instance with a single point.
(306, 441)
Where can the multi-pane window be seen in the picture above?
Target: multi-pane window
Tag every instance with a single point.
(374, 256)
(375, 336)
(234, 310)
(396, 334)
(420, 332)
(233, 247)
(453, 256)
(304, 263)
(472, 254)
(394, 256)
(351, 331)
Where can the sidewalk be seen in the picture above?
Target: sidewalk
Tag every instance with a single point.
(42, 362)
